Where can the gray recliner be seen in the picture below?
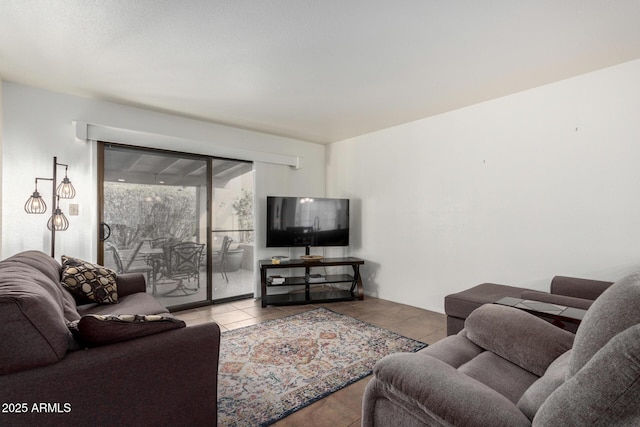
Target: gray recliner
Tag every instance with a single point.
(510, 368)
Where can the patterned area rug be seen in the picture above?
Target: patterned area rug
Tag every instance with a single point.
(273, 369)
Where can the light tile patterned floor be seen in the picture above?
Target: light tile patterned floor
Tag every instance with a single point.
(343, 408)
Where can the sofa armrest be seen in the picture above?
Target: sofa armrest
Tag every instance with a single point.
(434, 393)
(168, 378)
(518, 336)
(130, 283)
(581, 303)
(579, 288)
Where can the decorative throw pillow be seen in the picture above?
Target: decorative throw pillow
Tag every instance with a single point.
(94, 330)
(89, 281)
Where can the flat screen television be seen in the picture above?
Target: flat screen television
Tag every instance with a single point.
(306, 221)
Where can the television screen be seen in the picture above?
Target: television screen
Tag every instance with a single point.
(305, 221)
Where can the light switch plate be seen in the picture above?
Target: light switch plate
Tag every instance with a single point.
(73, 209)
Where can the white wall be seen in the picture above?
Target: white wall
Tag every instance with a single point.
(513, 191)
(1, 139)
(38, 126)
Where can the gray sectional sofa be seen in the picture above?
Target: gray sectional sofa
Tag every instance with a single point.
(67, 361)
(567, 291)
(508, 367)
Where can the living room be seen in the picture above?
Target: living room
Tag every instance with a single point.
(522, 185)
(509, 188)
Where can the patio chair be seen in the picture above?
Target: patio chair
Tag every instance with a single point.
(183, 264)
(224, 252)
(128, 267)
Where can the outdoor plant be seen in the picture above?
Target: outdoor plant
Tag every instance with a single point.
(136, 211)
(243, 208)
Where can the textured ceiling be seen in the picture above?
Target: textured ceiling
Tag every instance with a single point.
(320, 71)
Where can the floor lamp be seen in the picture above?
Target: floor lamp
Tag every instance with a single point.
(36, 205)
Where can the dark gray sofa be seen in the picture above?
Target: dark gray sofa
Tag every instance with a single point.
(510, 368)
(568, 291)
(47, 377)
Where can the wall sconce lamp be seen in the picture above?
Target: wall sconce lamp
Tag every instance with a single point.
(36, 205)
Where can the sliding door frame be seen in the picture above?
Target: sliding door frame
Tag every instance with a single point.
(209, 215)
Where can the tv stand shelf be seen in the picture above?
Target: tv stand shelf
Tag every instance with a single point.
(305, 294)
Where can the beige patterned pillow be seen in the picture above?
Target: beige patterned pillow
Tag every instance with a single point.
(89, 281)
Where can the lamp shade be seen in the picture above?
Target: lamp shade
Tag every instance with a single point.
(58, 221)
(35, 204)
(65, 190)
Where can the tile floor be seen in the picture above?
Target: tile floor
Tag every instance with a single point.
(340, 409)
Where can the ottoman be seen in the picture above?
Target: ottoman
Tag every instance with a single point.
(458, 306)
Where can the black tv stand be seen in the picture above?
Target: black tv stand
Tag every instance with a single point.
(305, 294)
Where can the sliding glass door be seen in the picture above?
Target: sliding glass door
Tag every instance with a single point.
(184, 221)
(233, 236)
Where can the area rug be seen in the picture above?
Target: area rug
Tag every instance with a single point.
(270, 370)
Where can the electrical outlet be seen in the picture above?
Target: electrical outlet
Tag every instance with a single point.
(73, 209)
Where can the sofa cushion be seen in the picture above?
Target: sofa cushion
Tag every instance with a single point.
(436, 394)
(89, 281)
(506, 378)
(605, 392)
(580, 288)
(95, 330)
(454, 350)
(33, 313)
(613, 312)
(553, 378)
(49, 281)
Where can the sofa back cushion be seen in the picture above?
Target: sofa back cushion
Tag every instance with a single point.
(606, 391)
(613, 312)
(539, 391)
(33, 313)
(50, 281)
(578, 288)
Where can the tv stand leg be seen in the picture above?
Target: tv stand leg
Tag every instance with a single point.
(357, 282)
